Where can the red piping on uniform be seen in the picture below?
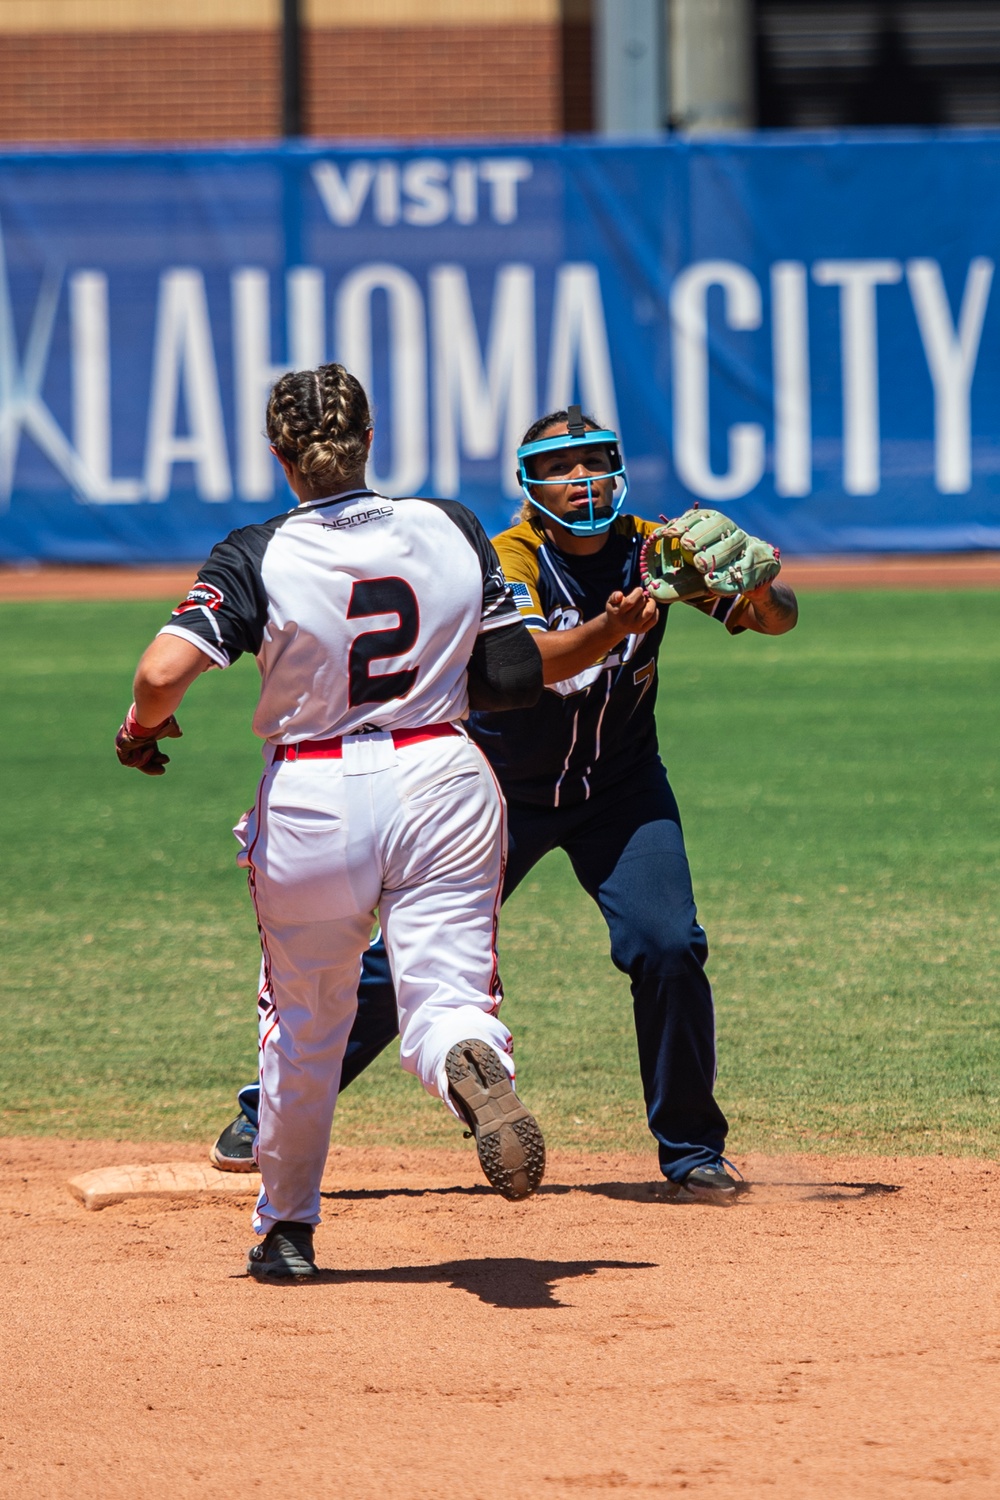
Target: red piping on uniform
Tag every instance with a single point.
(496, 984)
(252, 884)
(268, 986)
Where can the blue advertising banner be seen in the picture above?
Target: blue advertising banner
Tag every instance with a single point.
(801, 330)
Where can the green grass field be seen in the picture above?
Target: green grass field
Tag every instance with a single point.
(839, 789)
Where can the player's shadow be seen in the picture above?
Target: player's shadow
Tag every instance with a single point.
(803, 1192)
(855, 1189)
(656, 1191)
(501, 1281)
(372, 1195)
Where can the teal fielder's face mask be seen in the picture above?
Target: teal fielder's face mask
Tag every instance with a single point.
(598, 515)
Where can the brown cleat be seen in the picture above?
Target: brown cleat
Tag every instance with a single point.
(509, 1142)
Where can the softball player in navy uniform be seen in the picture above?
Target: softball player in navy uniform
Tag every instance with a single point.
(581, 771)
(371, 621)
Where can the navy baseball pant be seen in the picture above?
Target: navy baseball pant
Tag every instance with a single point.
(627, 851)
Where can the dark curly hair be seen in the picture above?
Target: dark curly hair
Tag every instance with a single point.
(537, 430)
(319, 421)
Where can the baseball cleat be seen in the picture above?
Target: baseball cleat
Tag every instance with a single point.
(285, 1251)
(711, 1184)
(508, 1140)
(233, 1151)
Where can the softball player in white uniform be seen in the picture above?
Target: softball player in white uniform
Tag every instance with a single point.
(370, 620)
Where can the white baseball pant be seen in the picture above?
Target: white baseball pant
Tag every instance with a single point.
(416, 833)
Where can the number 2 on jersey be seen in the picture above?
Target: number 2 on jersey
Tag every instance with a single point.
(382, 596)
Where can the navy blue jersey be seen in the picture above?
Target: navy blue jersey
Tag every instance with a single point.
(596, 728)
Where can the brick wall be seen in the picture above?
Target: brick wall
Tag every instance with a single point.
(434, 81)
(144, 86)
(403, 82)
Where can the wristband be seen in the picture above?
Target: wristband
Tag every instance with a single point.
(139, 731)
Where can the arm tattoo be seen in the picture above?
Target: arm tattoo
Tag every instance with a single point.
(775, 612)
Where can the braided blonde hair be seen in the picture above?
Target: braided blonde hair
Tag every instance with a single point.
(319, 421)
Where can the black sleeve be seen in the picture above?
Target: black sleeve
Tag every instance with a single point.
(505, 670)
(499, 608)
(226, 610)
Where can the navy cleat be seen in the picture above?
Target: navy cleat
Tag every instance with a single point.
(710, 1184)
(233, 1151)
(286, 1251)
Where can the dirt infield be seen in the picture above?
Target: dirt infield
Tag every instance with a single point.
(962, 570)
(836, 1333)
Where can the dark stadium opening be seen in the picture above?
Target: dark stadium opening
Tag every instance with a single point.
(836, 63)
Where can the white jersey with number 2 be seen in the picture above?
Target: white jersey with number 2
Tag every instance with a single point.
(360, 611)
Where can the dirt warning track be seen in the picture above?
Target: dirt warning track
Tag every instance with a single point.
(957, 571)
(836, 1333)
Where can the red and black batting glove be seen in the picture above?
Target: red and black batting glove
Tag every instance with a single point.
(136, 745)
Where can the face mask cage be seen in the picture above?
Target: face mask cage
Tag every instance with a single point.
(597, 517)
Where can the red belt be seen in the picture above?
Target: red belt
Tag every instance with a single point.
(334, 749)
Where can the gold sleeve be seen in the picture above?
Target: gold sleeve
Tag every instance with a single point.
(517, 550)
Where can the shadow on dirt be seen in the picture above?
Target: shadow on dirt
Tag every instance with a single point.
(751, 1192)
(638, 1192)
(501, 1281)
(372, 1195)
(862, 1189)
